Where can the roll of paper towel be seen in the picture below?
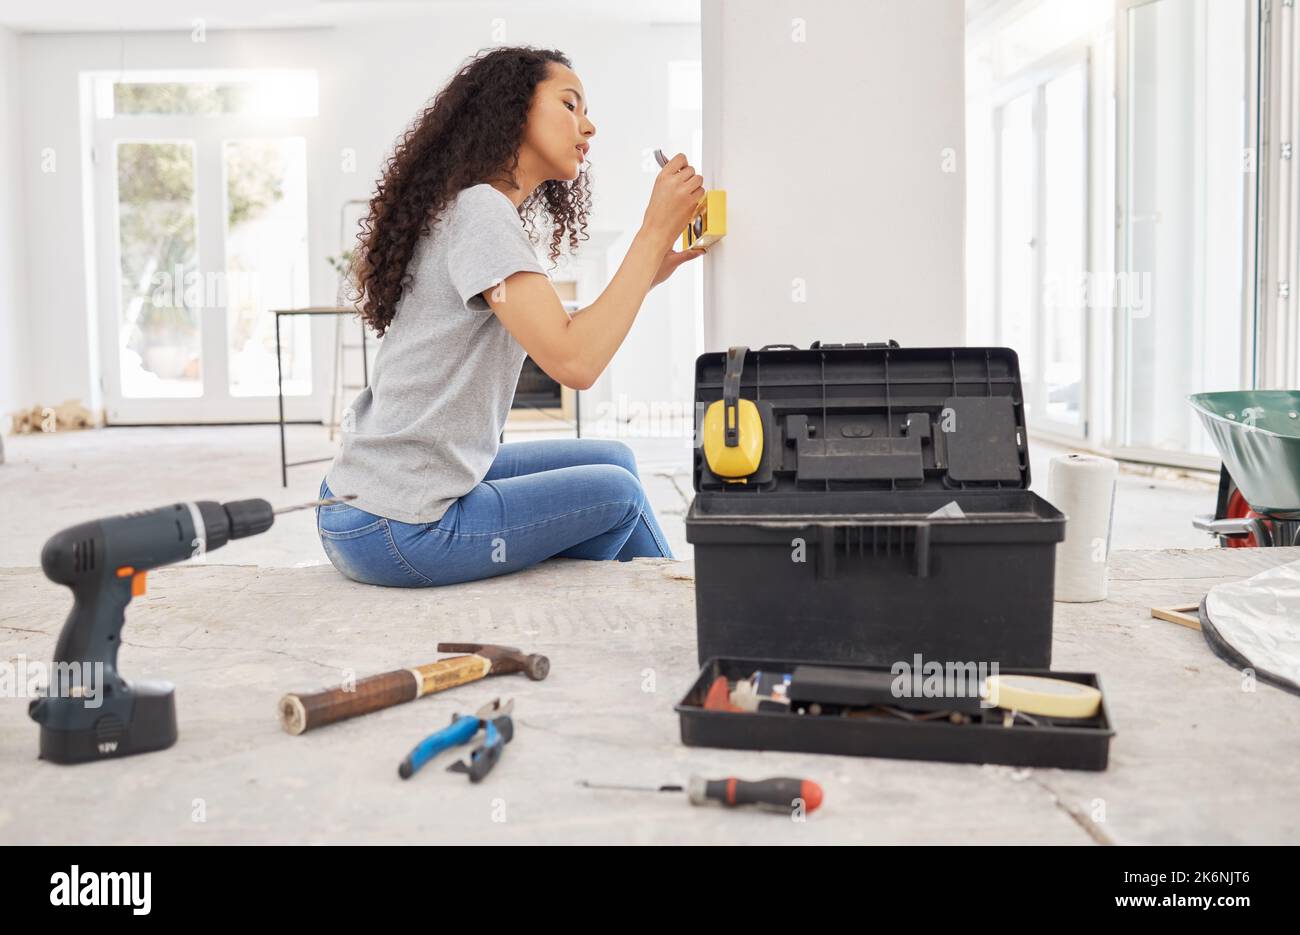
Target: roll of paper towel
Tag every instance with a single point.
(1083, 488)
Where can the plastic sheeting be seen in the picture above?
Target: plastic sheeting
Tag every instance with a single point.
(1258, 622)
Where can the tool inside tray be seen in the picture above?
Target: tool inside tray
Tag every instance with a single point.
(867, 694)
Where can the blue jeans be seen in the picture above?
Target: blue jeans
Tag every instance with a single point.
(573, 498)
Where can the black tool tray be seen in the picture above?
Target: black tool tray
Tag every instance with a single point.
(827, 553)
(1066, 743)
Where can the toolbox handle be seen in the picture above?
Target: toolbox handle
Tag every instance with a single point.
(731, 395)
(819, 345)
(851, 345)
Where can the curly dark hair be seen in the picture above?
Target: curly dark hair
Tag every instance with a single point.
(470, 133)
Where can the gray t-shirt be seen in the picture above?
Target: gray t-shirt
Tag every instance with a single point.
(426, 430)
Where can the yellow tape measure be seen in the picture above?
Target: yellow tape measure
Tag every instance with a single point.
(709, 225)
(1034, 694)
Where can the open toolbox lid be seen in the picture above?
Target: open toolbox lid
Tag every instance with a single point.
(872, 417)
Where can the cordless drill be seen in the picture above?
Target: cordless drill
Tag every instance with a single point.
(90, 712)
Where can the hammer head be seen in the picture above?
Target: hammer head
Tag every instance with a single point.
(504, 659)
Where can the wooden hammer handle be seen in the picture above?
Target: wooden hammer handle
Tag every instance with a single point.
(301, 713)
(448, 673)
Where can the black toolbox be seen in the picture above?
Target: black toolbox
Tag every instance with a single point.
(1064, 743)
(827, 552)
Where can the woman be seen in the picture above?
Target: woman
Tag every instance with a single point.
(446, 271)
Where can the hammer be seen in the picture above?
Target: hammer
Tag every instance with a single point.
(301, 713)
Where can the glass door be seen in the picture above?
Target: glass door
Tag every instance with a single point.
(201, 230)
(1041, 295)
(1062, 338)
(1018, 247)
(1187, 178)
(160, 343)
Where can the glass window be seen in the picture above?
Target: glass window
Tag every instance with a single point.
(266, 263)
(272, 94)
(1017, 266)
(1065, 247)
(1187, 183)
(160, 289)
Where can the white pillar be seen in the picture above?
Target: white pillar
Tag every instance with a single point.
(837, 129)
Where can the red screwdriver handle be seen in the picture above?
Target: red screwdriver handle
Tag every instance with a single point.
(780, 792)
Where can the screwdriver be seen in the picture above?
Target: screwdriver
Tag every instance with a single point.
(780, 792)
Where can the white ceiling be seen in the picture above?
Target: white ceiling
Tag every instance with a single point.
(149, 15)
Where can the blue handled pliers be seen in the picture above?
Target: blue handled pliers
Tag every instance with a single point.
(498, 729)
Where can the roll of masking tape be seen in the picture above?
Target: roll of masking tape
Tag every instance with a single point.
(1035, 694)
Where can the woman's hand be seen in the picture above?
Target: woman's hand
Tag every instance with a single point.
(673, 259)
(575, 350)
(677, 192)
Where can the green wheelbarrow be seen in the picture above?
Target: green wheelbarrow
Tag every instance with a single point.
(1257, 434)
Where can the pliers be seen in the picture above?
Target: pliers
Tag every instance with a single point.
(498, 730)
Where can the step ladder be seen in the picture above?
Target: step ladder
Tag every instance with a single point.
(343, 391)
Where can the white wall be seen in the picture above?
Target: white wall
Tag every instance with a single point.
(831, 152)
(374, 78)
(14, 315)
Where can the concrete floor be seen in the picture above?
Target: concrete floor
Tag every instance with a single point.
(1195, 758)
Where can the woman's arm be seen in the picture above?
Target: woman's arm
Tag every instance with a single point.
(575, 351)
